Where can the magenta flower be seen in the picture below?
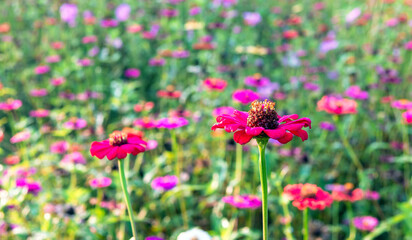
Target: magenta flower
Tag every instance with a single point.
(172, 122)
(407, 117)
(20, 137)
(59, 147)
(165, 183)
(154, 238)
(168, 12)
(366, 223)
(57, 81)
(263, 121)
(355, 92)
(41, 69)
(31, 186)
(408, 45)
(132, 73)
(195, 11)
(371, 195)
(243, 201)
(122, 12)
(74, 158)
(85, 62)
(180, 54)
(146, 123)
(75, 123)
(108, 23)
(157, 62)
(223, 110)
(118, 146)
(100, 182)
(353, 15)
(39, 113)
(245, 96)
(257, 80)
(215, 84)
(402, 104)
(10, 105)
(151, 144)
(39, 92)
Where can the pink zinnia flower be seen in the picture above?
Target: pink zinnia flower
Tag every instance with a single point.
(132, 73)
(165, 183)
(407, 116)
(243, 201)
(41, 69)
(402, 104)
(356, 93)
(245, 96)
(59, 147)
(39, 113)
(366, 223)
(85, 62)
(337, 106)
(157, 62)
(57, 81)
(252, 18)
(172, 122)
(53, 59)
(215, 84)
(408, 45)
(32, 186)
(10, 105)
(118, 145)
(146, 123)
(75, 123)
(108, 23)
(39, 92)
(75, 158)
(263, 121)
(89, 39)
(307, 196)
(223, 110)
(168, 12)
(135, 28)
(20, 137)
(257, 80)
(100, 182)
(151, 144)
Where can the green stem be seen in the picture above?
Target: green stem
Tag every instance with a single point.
(126, 196)
(262, 142)
(305, 224)
(335, 209)
(238, 171)
(347, 145)
(352, 229)
(287, 229)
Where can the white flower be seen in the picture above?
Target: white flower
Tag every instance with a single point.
(194, 234)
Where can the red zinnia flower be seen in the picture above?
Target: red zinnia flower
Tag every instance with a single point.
(263, 121)
(118, 146)
(307, 196)
(290, 34)
(337, 106)
(346, 193)
(215, 84)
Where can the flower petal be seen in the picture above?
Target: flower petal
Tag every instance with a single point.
(254, 131)
(286, 138)
(241, 137)
(275, 133)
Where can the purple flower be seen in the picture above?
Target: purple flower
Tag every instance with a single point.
(328, 44)
(157, 62)
(164, 183)
(243, 201)
(251, 18)
(68, 13)
(366, 223)
(108, 23)
(327, 126)
(122, 12)
(75, 123)
(195, 11)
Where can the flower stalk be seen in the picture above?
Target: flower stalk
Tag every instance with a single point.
(262, 142)
(126, 196)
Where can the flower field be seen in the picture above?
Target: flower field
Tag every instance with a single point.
(205, 119)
